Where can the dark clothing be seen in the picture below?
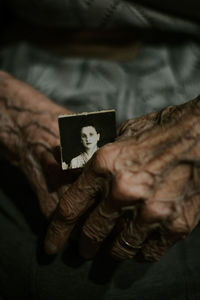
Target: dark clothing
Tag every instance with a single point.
(26, 273)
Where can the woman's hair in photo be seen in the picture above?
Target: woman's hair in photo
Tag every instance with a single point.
(92, 124)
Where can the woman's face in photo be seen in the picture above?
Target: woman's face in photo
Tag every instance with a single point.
(89, 137)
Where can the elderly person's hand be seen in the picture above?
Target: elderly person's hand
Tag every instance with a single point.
(149, 180)
(28, 136)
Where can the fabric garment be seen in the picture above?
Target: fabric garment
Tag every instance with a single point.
(161, 74)
(79, 161)
(108, 14)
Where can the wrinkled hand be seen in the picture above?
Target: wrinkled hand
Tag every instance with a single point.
(149, 182)
(28, 136)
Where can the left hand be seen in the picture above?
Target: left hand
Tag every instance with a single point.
(149, 179)
(29, 135)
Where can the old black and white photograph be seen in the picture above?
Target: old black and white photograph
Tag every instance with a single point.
(81, 135)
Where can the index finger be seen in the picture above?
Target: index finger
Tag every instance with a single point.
(76, 200)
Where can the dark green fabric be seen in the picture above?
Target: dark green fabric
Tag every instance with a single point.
(188, 9)
(26, 273)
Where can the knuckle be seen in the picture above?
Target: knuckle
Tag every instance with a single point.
(66, 214)
(157, 211)
(181, 228)
(55, 228)
(120, 187)
(120, 252)
(125, 128)
(103, 158)
(126, 188)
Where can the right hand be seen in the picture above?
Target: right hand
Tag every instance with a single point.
(149, 180)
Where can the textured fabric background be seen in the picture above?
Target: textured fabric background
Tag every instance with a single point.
(160, 75)
(109, 14)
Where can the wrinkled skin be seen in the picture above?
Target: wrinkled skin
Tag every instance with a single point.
(148, 179)
(28, 136)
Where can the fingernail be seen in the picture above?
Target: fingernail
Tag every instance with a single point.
(50, 248)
